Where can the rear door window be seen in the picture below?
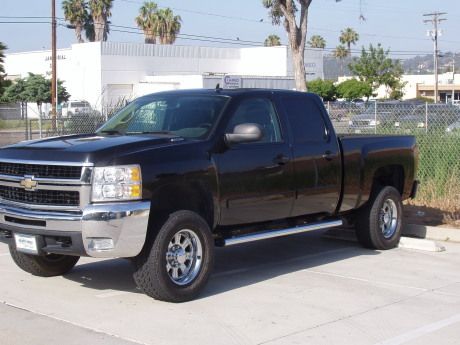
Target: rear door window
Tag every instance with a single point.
(305, 118)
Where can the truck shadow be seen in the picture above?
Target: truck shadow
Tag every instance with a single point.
(235, 267)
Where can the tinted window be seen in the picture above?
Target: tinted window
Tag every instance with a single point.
(261, 112)
(305, 118)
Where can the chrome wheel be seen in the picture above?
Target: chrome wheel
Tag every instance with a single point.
(388, 218)
(184, 257)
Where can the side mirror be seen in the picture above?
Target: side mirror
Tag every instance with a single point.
(244, 133)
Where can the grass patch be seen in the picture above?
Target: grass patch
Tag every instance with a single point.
(439, 171)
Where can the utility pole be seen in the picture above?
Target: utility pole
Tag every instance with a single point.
(453, 78)
(435, 19)
(53, 65)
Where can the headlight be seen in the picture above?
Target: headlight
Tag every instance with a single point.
(115, 183)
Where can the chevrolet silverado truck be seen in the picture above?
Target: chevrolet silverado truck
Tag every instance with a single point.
(174, 174)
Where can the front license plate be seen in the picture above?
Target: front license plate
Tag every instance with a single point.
(26, 243)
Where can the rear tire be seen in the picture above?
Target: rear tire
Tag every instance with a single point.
(43, 266)
(177, 265)
(378, 224)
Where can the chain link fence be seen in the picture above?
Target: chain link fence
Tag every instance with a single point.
(436, 126)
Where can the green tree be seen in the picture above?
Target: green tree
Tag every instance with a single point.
(323, 88)
(352, 89)
(76, 13)
(147, 21)
(16, 92)
(317, 41)
(349, 37)
(169, 26)
(272, 40)
(376, 69)
(100, 13)
(288, 12)
(35, 88)
(340, 53)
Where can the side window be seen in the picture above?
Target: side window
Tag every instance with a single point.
(260, 111)
(305, 118)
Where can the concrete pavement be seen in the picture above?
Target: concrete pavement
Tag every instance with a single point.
(302, 289)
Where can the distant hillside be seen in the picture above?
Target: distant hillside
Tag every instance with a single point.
(416, 65)
(425, 64)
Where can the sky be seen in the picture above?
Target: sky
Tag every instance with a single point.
(397, 25)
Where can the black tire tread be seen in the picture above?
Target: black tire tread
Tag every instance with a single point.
(367, 231)
(150, 273)
(40, 266)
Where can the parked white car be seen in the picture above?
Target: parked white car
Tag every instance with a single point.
(75, 107)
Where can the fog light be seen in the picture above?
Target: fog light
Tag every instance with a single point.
(99, 244)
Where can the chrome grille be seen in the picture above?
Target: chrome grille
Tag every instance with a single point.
(41, 171)
(40, 197)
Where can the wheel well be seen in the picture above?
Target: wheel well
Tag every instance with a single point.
(391, 175)
(191, 197)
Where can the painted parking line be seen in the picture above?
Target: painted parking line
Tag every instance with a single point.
(417, 333)
(113, 294)
(373, 282)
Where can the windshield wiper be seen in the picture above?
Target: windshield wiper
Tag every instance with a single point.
(152, 132)
(110, 131)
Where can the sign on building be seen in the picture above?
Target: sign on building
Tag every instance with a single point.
(231, 82)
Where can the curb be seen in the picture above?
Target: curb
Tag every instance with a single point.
(432, 232)
(424, 244)
(420, 244)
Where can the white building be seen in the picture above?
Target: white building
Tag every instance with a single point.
(105, 73)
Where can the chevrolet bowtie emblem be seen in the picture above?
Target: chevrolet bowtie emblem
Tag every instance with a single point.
(28, 183)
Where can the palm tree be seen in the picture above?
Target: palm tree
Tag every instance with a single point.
(89, 29)
(147, 21)
(100, 12)
(169, 26)
(3, 47)
(317, 41)
(340, 53)
(3, 83)
(349, 37)
(76, 13)
(272, 40)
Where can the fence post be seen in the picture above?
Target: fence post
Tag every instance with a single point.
(329, 108)
(375, 117)
(24, 116)
(40, 123)
(426, 117)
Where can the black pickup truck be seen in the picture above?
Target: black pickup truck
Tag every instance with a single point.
(174, 174)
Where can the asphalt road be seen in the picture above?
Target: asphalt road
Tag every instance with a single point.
(296, 290)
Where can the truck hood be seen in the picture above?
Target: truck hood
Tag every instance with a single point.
(86, 148)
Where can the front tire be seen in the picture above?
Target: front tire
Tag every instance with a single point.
(378, 224)
(177, 265)
(49, 265)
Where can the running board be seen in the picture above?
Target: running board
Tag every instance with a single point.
(278, 233)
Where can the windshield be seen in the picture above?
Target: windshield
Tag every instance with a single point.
(188, 116)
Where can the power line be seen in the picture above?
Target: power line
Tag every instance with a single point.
(212, 39)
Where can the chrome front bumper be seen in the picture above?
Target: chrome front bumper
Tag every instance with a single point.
(106, 230)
